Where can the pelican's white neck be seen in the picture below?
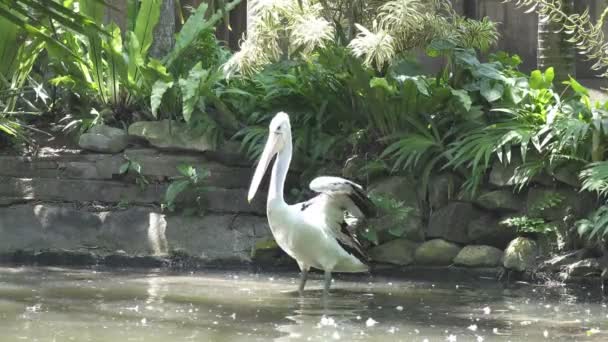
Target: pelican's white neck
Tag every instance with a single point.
(279, 172)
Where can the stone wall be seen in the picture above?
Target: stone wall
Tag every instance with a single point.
(78, 202)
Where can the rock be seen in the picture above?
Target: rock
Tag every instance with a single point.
(520, 255)
(389, 228)
(479, 256)
(502, 174)
(442, 188)
(557, 204)
(451, 222)
(403, 190)
(216, 238)
(487, 230)
(399, 188)
(568, 174)
(582, 268)
(171, 135)
(105, 139)
(266, 252)
(398, 252)
(500, 200)
(436, 252)
(557, 262)
(138, 231)
(70, 190)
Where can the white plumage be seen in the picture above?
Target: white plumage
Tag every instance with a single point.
(314, 232)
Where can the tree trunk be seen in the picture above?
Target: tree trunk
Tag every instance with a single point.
(553, 47)
(164, 33)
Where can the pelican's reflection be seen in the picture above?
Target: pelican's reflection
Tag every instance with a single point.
(157, 290)
(316, 319)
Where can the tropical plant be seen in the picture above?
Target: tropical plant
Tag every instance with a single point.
(584, 33)
(117, 75)
(17, 57)
(290, 29)
(190, 179)
(132, 167)
(392, 213)
(594, 228)
(38, 18)
(197, 88)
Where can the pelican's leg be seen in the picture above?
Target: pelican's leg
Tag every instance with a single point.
(327, 283)
(303, 278)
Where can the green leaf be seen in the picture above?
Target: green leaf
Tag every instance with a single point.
(174, 189)
(190, 89)
(577, 87)
(381, 82)
(549, 75)
(158, 90)
(136, 59)
(463, 98)
(147, 18)
(193, 27)
(536, 80)
(491, 92)
(124, 168)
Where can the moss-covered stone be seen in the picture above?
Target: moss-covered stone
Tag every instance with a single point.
(500, 200)
(436, 252)
(479, 256)
(520, 255)
(398, 252)
(487, 230)
(451, 222)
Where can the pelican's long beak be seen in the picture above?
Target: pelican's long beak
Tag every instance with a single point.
(270, 150)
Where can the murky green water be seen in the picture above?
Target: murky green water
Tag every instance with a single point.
(54, 304)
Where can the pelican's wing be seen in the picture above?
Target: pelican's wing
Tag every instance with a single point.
(337, 197)
(345, 194)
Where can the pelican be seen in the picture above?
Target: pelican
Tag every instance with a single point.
(314, 233)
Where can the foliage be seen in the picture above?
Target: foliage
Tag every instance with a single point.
(596, 226)
(37, 18)
(525, 224)
(393, 214)
(196, 88)
(111, 74)
(293, 29)
(585, 34)
(595, 178)
(191, 179)
(134, 168)
(17, 57)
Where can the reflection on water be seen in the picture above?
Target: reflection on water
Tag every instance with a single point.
(52, 304)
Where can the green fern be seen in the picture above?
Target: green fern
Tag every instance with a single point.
(596, 226)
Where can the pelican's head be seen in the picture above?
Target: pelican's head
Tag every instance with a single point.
(279, 134)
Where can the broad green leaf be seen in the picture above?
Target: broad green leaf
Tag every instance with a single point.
(193, 27)
(381, 82)
(117, 66)
(190, 89)
(10, 32)
(577, 87)
(158, 90)
(124, 168)
(463, 98)
(536, 80)
(147, 18)
(549, 76)
(136, 59)
(491, 92)
(174, 189)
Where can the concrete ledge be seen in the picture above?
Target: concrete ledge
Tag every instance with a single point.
(137, 231)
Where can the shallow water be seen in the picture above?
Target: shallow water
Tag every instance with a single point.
(55, 304)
